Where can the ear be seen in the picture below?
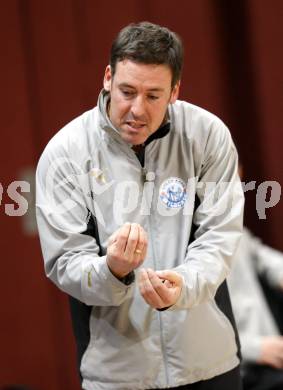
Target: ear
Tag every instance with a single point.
(175, 92)
(107, 78)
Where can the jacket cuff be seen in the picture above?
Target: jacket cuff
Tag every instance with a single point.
(251, 348)
(128, 279)
(101, 287)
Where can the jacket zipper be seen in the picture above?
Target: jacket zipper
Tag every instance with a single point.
(165, 361)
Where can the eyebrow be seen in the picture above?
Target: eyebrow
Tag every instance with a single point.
(156, 89)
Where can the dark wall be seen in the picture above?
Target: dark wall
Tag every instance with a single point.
(53, 56)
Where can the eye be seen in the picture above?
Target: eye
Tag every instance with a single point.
(153, 97)
(127, 93)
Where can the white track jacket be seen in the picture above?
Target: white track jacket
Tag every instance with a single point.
(189, 199)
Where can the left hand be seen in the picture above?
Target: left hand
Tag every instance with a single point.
(160, 289)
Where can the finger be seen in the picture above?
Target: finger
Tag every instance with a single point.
(167, 283)
(173, 282)
(122, 236)
(142, 276)
(141, 247)
(132, 241)
(142, 244)
(171, 276)
(113, 237)
(160, 287)
(142, 280)
(147, 291)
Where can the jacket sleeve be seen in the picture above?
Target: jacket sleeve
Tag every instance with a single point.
(268, 262)
(254, 318)
(217, 219)
(70, 254)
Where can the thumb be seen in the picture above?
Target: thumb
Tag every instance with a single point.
(172, 276)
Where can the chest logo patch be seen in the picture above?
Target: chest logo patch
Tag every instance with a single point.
(173, 192)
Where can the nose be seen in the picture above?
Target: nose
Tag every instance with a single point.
(138, 107)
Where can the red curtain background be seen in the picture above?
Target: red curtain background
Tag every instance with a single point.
(53, 56)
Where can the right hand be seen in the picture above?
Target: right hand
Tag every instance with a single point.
(126, 249)
(272, 352)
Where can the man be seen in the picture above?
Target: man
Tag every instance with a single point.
(262, 343)
(139, 210)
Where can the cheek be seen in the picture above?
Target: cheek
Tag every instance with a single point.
(122, 109)
(158, 113)
(118, 103)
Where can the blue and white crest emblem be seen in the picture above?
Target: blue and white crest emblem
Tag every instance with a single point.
(173, 192)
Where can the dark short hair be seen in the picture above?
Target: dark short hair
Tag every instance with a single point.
(148, 43)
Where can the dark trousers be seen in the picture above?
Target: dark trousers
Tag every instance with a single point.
(231, 380)
(258, 377)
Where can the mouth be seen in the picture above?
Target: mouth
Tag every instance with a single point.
(135, 127)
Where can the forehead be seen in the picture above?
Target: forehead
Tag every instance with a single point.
(149, 76)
